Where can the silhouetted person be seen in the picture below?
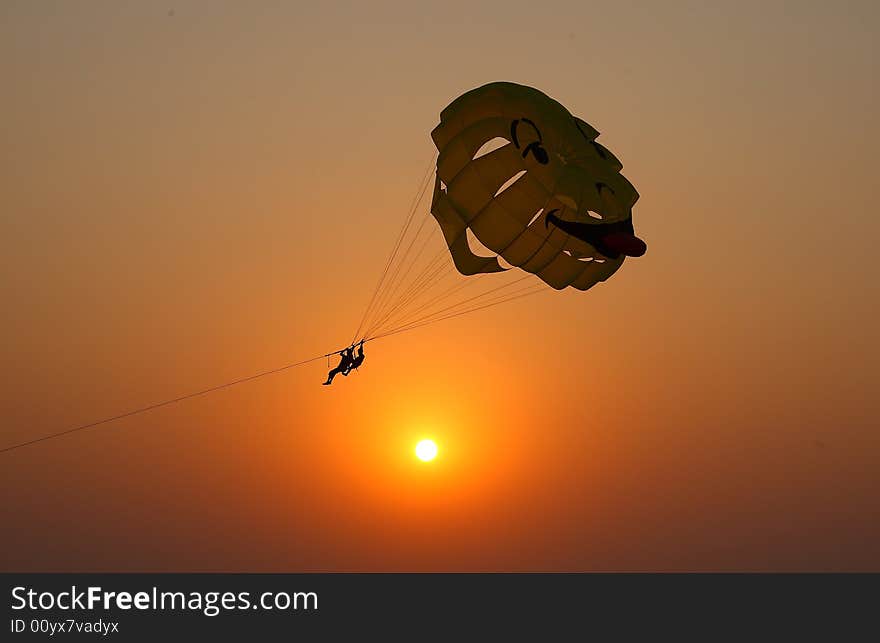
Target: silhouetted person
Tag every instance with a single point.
(344, 365)
(357, 361)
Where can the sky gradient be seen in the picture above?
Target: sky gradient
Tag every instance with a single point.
(193, 193)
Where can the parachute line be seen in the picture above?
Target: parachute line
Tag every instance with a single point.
(419, 285)
(402, 327)
(411, 213)
(157, 405)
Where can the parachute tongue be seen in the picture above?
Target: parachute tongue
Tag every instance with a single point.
(625, 243)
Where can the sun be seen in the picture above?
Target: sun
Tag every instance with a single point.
(426, 450)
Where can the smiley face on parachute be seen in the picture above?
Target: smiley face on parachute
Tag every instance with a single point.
(530, 182)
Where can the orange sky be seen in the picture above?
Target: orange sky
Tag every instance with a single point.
(190, 198)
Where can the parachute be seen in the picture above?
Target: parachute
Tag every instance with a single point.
(546, 198)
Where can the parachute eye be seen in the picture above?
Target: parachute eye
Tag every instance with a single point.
(535, 147)
(538, 152)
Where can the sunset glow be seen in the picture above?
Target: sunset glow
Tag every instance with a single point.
(194, 198)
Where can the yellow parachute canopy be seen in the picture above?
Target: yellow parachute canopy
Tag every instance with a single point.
(530, 182)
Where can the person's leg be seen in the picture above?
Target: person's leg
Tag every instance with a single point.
(332, 374)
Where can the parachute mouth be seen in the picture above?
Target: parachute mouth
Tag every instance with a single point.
(625, 243)
(609, 239)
